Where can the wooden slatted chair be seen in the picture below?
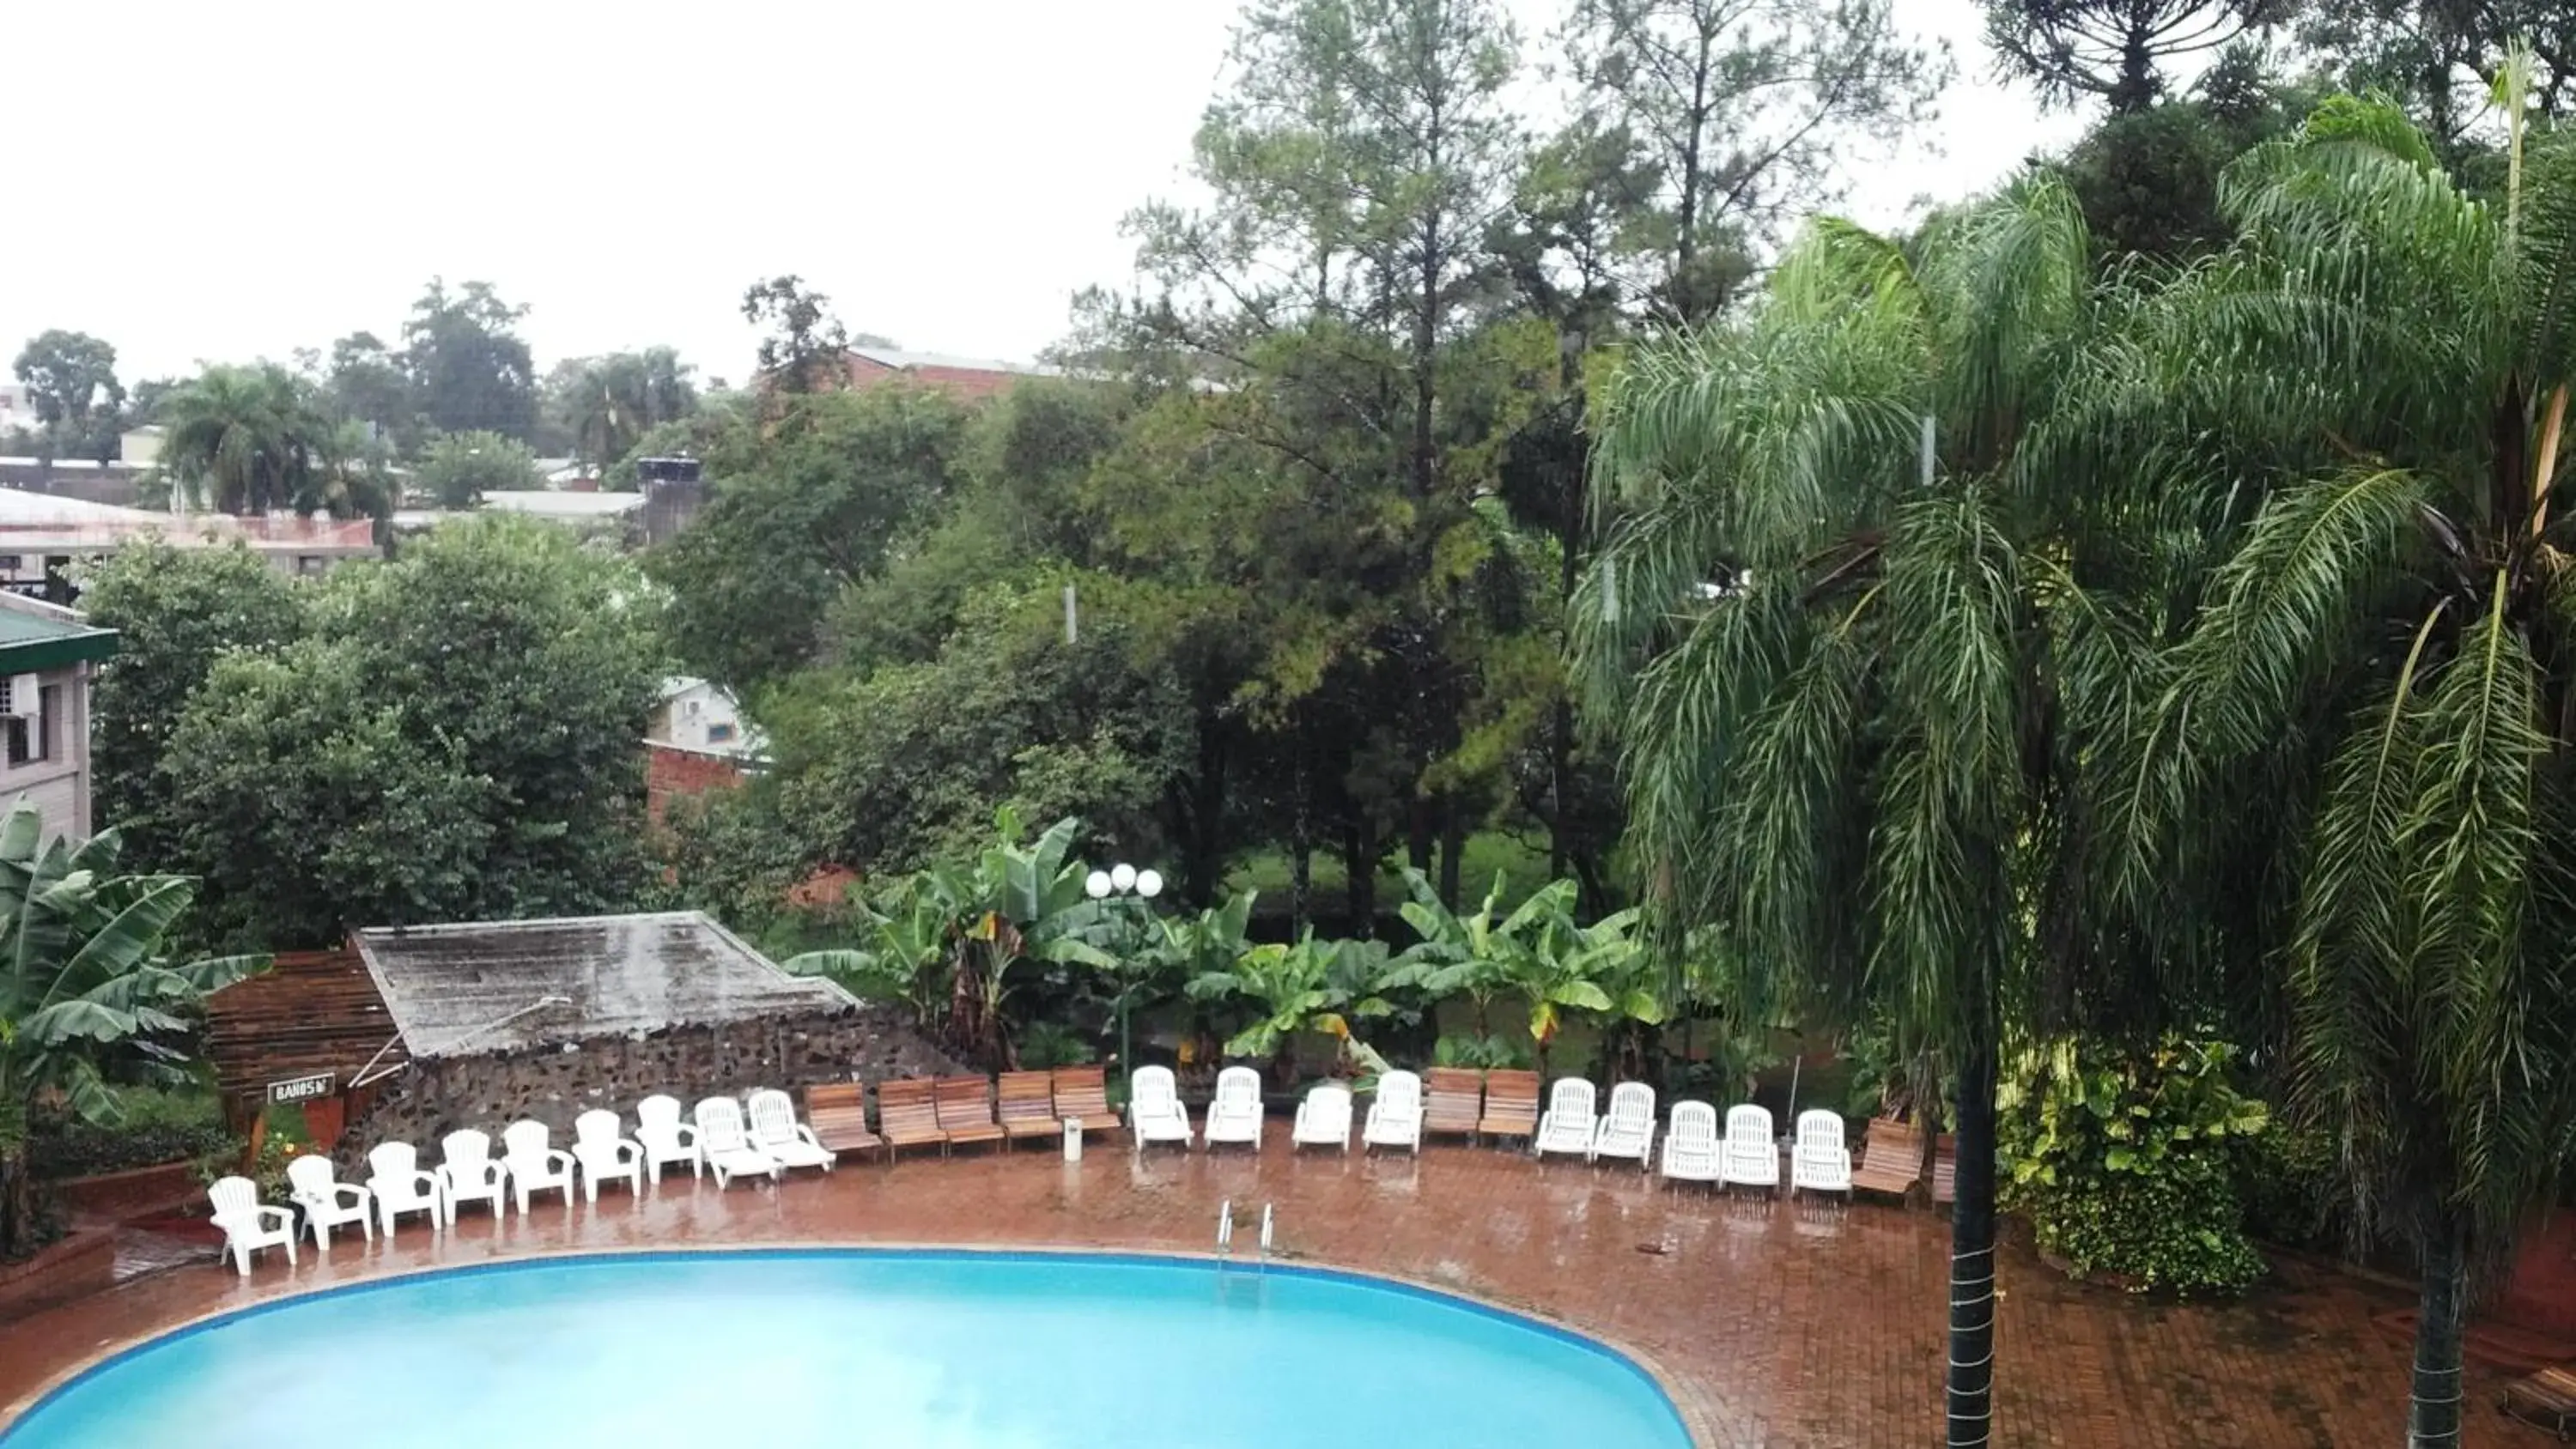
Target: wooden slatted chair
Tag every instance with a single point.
(966, 1111)
(838, 1113)
(908, 1111)
(1511, 1105)
(1891, 1158)
(1028, 1106)
(1082, 1093)
(2546, 1399)
(1452, 1099)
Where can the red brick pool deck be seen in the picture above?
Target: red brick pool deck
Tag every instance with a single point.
(1772, 1323)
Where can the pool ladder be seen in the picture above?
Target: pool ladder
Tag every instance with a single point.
(1225, 1233)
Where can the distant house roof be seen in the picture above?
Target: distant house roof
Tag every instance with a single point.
(549, 503)
(970, 377)
(36, 635)
(470, 990)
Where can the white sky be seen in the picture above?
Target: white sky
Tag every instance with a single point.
(221, 182)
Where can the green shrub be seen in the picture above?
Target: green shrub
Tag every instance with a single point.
(2126, 1162)
(1046, 1044)
(2287, 1180)
(61, 1150)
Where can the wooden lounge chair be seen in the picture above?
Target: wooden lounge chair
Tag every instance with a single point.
(966, 1111)
(1082, 1093)
(838, 1113)
(1511, 1105)
(1028, 1106)
(1891, 1158)
(1453, 1098)
(1945, 1168)
(908, 1110)
(2546, 1399)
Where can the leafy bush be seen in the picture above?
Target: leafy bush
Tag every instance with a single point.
(2126, 1161)
(1045, 1044)
(1464, 1050)
(60, 1150)
(2287, 1179)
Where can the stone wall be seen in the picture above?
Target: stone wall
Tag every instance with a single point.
(428, 1099)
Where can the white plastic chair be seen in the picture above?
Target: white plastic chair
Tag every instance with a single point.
(248, 1224)
(327, 1201)
(467, 1171)
(395, 1176)
(1395, 1118)
(665, 1138)
(1628, 1129)
(1567, 1124)
(605, 1153)
(1154, 1112)
(534, 1163)
(727, 1144)
(1819, 1162)
(1691, 1149)
(1234, 1115)
(1752, 1158)
(1323, 1119)
(775, 1130)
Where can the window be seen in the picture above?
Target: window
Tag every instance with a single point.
(31, 741)
(9, 563)
(311, 563)
(718, 734)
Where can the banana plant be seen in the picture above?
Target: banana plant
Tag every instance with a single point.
(86, 990)
(1600, 970)
(1017, 903)
(1312, 986)
(1472, 956)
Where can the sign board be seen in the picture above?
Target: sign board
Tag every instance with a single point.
(300, 1089)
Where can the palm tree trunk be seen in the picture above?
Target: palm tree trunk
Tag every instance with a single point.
(2433, 1418)
(1972, 1255)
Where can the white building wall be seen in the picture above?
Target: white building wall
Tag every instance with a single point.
(59, 784)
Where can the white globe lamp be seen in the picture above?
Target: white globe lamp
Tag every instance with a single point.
(1096, 885)
(1123, 876)
(1149, 883)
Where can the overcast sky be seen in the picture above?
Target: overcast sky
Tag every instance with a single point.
(222, 182)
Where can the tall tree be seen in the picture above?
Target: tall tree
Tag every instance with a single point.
(2368, 733)
(365, 382)
(469, 369)
(2119, 50)
(71, 383)
(604, 405)
(457, 469)
(2441, 58)
(1727, 118)
(246, 439)
(1853, 685)
(806, 346)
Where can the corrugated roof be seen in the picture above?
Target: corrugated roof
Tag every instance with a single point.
(469, 990)
(36, 635)
(888, 357)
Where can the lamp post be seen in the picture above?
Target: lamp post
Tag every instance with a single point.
(1127, 883)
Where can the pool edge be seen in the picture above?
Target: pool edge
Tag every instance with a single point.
(1697, 1424)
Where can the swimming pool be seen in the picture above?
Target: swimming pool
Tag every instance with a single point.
(904, 1350)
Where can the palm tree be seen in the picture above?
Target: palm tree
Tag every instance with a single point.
(2380, 691)
(246, 438)
(86, 991)
(1852, 652)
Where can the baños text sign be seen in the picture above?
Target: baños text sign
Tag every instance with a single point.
(299, 1089)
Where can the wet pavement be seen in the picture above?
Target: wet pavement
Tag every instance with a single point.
(1773, 1323)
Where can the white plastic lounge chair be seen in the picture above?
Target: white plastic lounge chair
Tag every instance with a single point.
(1567, 1124)
(665, 1138)
(1154, 1112)
(1628, 1129)
(327, 1201)
(534, 1164)
(1395, 1118)
(727, 1144)
(1235, 1113)
(467, 1171)
(1819, 1162)
(775, 1130)
(248, 1224)
(1323, 1119)
(395, 1176)
(1691, 1149)
(1752, 1158)
(605, 1154)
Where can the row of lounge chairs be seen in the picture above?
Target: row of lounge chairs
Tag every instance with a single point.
(757, 1137)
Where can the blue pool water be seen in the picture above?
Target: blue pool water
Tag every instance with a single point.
(798, 1350)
